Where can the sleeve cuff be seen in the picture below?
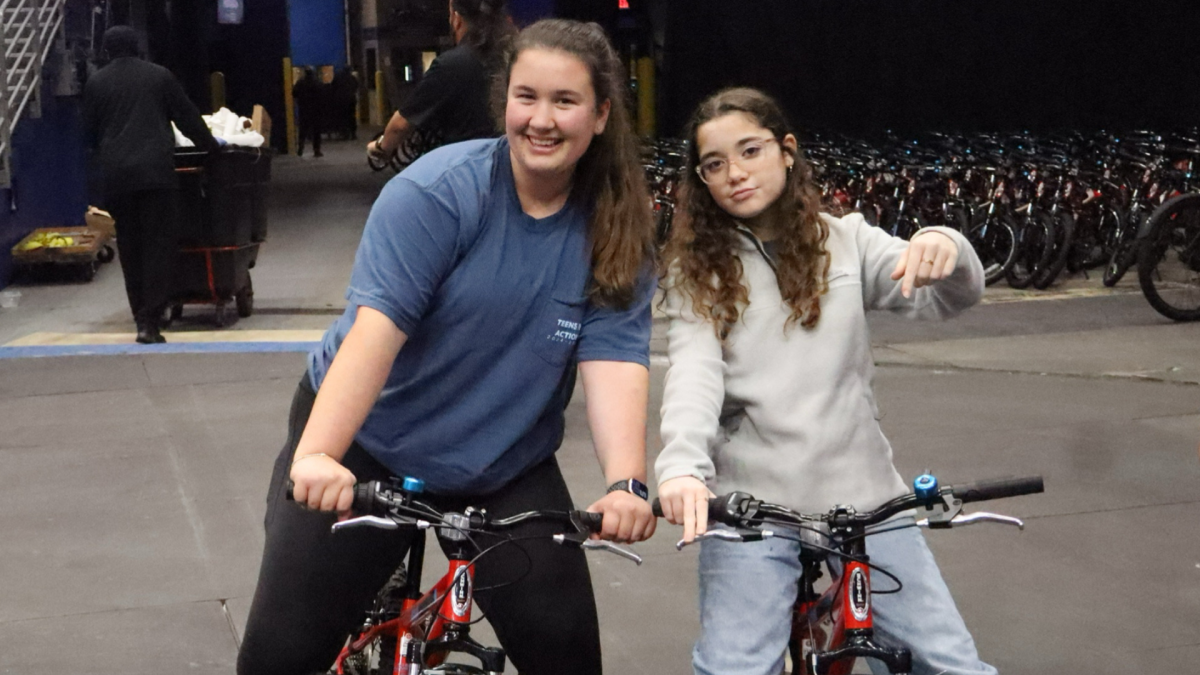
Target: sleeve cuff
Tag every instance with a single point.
(380, 305)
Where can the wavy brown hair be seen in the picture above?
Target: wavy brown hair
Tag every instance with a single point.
(608, 180)
(701, 254)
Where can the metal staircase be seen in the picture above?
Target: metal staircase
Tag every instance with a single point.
(28, 29)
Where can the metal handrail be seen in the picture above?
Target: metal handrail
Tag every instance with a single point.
(27, 32)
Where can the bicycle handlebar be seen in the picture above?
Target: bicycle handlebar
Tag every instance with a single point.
(739, 508)
(373, 496)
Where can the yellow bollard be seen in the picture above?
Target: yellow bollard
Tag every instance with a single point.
(216, 83)
(646, 118)
(289, 106)
(380, 98)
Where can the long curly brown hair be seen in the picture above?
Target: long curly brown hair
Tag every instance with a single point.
(608, 181)
(701, 255)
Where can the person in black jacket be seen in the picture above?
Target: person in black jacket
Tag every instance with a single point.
(129, 106)
(310, 94)
(344, 104)
(451, 102)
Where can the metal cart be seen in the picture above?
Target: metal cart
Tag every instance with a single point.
(88, 248)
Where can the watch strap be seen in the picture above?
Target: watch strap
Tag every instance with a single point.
(632, 486)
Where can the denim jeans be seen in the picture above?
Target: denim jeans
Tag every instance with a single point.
(747, 591)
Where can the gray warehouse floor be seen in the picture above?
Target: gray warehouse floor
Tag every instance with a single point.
(132, 482)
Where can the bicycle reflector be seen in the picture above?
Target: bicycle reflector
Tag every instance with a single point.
(925, 486)
(414, 485)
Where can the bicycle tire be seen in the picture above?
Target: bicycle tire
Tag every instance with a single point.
(1087, 252)
(957, 218)
(1123, 253)
(995, 242)
(1064, 230)
(378, 163)
(1035, 246)
(909, 224)
(1169, 259)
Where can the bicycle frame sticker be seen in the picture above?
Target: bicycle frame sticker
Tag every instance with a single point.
(401, 663)
(857, 596)
(460, 593)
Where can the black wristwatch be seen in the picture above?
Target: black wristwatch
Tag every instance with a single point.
(632, 486)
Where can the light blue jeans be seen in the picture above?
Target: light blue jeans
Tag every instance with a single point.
(747, 591)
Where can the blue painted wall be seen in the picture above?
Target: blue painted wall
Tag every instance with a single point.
(318, 32)
(49, 175)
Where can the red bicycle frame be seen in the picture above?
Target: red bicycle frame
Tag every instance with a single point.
(440, 618)
(846, 608)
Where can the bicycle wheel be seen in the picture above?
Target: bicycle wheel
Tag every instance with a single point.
(1064, 239)
(958, 219)
(1123, 254)
(1035, 246)
(995, 242)
(1169, 259)
(1087, 251)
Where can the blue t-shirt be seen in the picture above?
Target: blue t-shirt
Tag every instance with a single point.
(494, 304)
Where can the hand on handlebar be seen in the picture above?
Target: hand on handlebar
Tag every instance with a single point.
(376, 151)
(322, 484)
(684, 501)
(627, 518)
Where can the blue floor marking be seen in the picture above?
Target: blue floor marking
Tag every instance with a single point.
(34, 351)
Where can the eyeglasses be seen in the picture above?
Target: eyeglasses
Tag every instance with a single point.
(716, 169)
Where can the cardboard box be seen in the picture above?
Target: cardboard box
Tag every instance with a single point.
(101, 221)
(261, 122)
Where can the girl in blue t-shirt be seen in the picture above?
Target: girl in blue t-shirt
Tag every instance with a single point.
(487, 272)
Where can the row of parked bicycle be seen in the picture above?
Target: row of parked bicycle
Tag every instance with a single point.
(1032, 206)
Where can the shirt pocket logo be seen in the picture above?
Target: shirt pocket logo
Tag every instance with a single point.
(560, 325)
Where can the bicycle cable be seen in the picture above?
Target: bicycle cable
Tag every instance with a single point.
(483, 552)
(847, 556)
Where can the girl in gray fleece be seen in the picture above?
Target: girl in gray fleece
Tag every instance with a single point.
(769, 388)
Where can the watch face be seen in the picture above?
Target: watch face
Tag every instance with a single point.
(638, 488)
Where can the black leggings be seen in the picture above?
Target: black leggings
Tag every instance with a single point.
(314, 587)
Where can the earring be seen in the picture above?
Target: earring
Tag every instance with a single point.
(789, 169)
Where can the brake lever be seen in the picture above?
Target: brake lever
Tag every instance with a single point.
(727, 535)
(601, 545)
(977, 517)
(376, 522)
(582, 541)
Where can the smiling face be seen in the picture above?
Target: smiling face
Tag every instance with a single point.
(742, 163)
(551, 113)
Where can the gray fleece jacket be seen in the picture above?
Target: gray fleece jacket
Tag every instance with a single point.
(790, 416)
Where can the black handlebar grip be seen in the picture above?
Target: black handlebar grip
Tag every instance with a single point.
(998, 488)
(718, 508)
(592, 521)
(364, 495)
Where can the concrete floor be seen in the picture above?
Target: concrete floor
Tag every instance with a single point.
(131, 495)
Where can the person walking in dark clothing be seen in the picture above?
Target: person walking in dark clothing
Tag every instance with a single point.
(345, 103)
(129, 106)
(309, 94)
